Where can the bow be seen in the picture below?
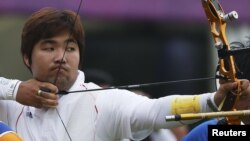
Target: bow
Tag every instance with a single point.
(218, 20)
(226, 65)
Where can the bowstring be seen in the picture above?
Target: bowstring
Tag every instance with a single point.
(60, 66)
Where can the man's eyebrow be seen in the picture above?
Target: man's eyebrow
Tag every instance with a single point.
(70, 40)
(47, 41)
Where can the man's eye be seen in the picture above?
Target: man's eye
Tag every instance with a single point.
(48, 49)
(70, 49)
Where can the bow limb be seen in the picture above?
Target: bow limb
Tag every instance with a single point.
(217, 20)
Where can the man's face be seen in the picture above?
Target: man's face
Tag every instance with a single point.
(47, 55)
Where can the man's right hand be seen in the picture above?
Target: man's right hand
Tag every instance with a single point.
(27, 94)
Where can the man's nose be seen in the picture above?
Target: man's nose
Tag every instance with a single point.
(60, 56)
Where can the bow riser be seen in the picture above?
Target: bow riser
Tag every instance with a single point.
(217, 20)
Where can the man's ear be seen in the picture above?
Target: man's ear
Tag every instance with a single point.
(26, 61)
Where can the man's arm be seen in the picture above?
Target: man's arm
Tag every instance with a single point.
(26, 92)
(8, 88)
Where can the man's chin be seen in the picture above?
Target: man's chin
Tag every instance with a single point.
(62, 85)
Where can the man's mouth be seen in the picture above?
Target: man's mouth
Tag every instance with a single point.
(59, 69)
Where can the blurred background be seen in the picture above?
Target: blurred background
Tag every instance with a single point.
(135, 41)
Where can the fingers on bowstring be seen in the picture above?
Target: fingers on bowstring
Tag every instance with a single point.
(49, 103)
(48, 95)
(46, 99)
(48, 87)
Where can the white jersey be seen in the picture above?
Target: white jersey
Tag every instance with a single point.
(108, 115)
